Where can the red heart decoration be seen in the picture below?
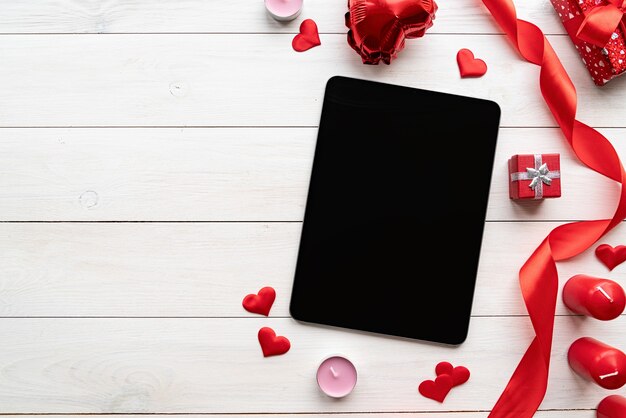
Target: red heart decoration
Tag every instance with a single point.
(378, 28)
(307, 38)
(271, 344)
(260, 303)
(611, 256)
(459, 374)
(436, 389)
(613, 406)
(468, 65)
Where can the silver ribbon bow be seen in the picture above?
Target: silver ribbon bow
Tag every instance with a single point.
(538, 175)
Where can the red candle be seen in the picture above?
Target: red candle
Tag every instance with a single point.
(602, 299)
(613, 406)
(598, 362)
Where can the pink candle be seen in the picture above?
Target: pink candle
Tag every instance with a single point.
(336, 376)
(284, 10)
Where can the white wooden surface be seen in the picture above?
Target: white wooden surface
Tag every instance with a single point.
(154, 160)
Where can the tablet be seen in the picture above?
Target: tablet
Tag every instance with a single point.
(395, 211)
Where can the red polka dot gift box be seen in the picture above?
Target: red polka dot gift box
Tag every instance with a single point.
(534, 176)
(597, 28)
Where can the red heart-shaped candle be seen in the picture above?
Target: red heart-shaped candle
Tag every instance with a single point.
(378, 28)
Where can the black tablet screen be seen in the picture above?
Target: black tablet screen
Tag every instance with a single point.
(395, 211)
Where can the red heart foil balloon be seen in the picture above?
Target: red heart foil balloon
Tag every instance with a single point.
(260, 303)
(378, 28)
(436, 389)
(271, 344)
(611, 256)
(613, 406)
(459, 374)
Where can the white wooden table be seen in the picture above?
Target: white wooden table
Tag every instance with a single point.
(154, 161)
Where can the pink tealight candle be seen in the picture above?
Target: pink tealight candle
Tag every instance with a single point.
(284, 10)
(336, 376)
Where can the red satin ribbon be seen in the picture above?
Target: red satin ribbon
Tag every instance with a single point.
(538, 276)
(600, 23)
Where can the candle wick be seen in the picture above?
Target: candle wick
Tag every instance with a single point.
(604, 376)
(334, 372)
(606, 295)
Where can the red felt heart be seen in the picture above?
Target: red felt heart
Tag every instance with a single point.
(468, 65)
(459, 374)
(613, 406)
(260, 303)
(307, 38)
(271, 344)
(611, 256)
(436, 389)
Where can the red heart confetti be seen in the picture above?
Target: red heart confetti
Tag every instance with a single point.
(271, 344)
(260, 303)
(468, 65)
(436, 389)
(459, 374)
(611, 256)
(307, 38)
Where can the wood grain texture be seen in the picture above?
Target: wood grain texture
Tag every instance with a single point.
(240, 16)
(205, 270)
(216, 366)
(256, 80)
(252, 174)
(155, 174)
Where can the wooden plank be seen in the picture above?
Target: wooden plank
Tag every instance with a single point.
(205, 270)
(215, 366)
(144, 16)
(155, 174)
(255, 80)
(251, 174)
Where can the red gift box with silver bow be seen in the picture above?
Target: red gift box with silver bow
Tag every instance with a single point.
(534, 176)
(597, 28)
